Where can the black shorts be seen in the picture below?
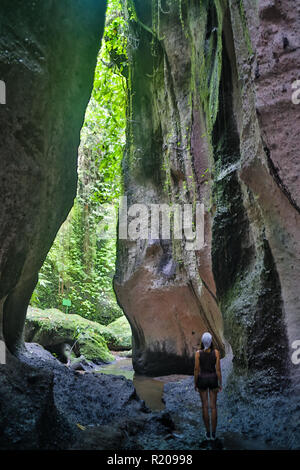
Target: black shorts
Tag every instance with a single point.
(207, 381)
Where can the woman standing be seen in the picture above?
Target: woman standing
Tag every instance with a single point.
(208, 380)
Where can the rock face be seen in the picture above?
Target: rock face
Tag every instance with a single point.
(167, 291)
(208, 84)
(269, 169)
(29, 418)
(48, 53)
(53, 330)
(55, 408)
(211, 119)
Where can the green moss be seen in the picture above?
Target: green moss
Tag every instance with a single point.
(118, 334)
(131, 10)
(94, 348)
(166, 167)
(245, 27)
(211, 67)
(52, 327)
(217, 68)
(155, 17)
(184, 29)
(130, 118)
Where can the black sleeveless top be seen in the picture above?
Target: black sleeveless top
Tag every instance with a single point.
(208, 376)
(207, 362)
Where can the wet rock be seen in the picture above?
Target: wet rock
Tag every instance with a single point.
(29, 417)
(91, 398)
(53, 329)
(89, 411)
(218, 129)
(48, 68)
(166, 420)
(167, 291)
(100, 438)
(268, 174)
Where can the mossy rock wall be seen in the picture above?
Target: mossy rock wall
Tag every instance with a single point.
(201, 104)
(51, 328)
(48, 56)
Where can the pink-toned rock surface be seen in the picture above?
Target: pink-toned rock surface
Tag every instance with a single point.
(270, 161)
(48, 53)
(168, 293)
(213, 121)
(167, 318)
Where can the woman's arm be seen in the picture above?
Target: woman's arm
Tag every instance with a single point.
(196, 369)
(218, 368)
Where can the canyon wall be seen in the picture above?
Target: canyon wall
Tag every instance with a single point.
(211, 119)
(48, 53)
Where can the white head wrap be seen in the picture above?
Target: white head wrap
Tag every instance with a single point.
(206, 340)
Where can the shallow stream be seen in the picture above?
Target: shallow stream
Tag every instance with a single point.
(149, 389)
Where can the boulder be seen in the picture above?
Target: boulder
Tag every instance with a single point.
(53, 329)
(29, 417)
(118, 334)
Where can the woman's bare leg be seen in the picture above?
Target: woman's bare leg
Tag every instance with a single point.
(205, 414)
(213, 406)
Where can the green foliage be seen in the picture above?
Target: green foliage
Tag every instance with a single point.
(80, 266)
(103, 136)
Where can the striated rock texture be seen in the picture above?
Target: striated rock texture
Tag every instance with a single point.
(48, 53)
(211, 119)
(167, 291)
(269, 172)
